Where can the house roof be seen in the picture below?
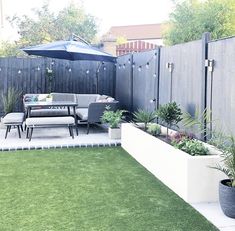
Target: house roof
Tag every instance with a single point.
(136, 32)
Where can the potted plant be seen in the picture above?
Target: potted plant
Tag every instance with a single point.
(227, 186)
(145, 117)
(170, 114)
(113, 119)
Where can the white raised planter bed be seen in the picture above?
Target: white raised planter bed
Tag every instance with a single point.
(188, 176)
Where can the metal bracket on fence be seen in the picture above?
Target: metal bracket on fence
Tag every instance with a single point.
(170, 67)
(210, 63)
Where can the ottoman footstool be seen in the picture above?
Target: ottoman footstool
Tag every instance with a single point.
(14, 119)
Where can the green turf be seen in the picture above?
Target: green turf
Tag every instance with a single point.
(89, 189)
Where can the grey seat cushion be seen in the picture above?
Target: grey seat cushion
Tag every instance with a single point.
(84, 100)
(61, 97)
(82, 113)
(67, 120)
(14, 118)
(49, 112)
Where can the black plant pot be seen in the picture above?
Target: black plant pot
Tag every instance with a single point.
(227, 198)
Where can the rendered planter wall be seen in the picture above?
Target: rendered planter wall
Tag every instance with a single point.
(188, 176)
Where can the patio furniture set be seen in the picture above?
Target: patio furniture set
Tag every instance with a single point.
(59, 110)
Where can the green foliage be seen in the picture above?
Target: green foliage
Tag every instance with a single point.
(191, 18)
(170, 114)
(113, 118)
(142, 116)
(46, 26)
(191, 146)
(199, 122)
(228, 162)
(10, 49)
(10, 100)
(154, 129)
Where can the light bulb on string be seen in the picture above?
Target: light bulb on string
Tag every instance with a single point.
(119, 67)
(70, 69)
(129, 61)
(38, 68)
(154, 75)
(155, 56)
(147, 65)
(124, 66)
(19, 71)
(87, 71)
(0, 69)
(139, 68)
(105, 68)
(133, 65)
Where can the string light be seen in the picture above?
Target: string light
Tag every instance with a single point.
(70, 69)
(38, 68)
(105, 68)
(139, 65)
(154, 75)
(0, 69)
(19, 71)
(87, 71)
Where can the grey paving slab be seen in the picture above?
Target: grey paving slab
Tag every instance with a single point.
(44, 138)
(214, 214)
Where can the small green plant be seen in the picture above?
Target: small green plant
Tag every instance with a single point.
(10, 100)
(170, 114)
(191, 146)
(228, 161)
(142, 116)
(154, 129)
(199, 122)
(112, 118)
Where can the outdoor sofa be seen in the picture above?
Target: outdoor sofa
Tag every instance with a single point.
(89, 110)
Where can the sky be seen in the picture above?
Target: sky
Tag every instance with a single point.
(108, 12)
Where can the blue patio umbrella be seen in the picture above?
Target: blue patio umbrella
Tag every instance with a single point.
(70, 50)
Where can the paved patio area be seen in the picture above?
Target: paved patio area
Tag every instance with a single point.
(56, 138)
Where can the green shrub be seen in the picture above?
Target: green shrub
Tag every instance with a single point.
(145, 117)
(191, 146)
(112, 118)
(10, 100)
(170, 114)
(154, 129)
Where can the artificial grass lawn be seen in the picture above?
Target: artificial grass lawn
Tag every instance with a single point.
(87, 189)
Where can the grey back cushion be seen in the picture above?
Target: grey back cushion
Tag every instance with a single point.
(84, 100)
(63, 97)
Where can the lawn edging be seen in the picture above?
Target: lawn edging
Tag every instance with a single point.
(188, 176)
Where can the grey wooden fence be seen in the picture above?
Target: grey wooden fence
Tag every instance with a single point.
(29, 75)
(221, 84)
(181, 73)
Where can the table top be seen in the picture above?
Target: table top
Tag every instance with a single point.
(53, 103)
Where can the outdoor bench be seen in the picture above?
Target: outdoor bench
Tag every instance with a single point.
(14, 119)
(47, 122)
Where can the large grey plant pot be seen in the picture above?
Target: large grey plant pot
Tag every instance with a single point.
(227, 198)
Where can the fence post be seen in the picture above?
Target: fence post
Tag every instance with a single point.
(158, 75)
(131, 82)
(206, 37)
